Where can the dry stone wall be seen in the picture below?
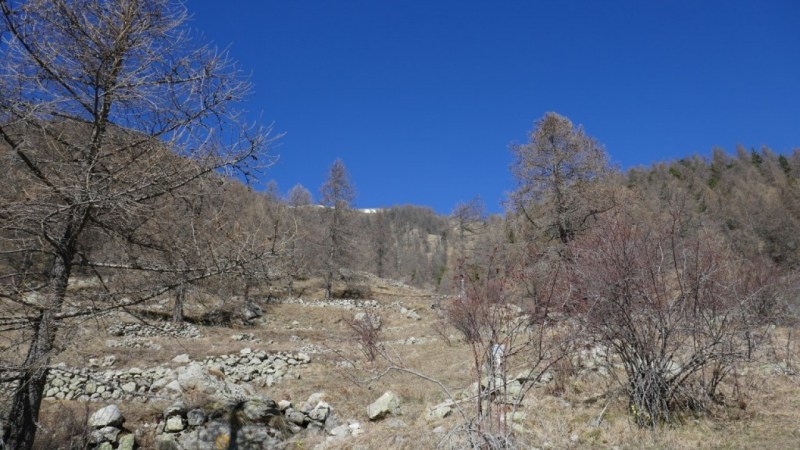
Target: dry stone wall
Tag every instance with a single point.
(259, 368)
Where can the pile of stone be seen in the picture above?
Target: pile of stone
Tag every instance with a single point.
(255, 422)
(245, 337)
(107, 431)
(96, 385)
(412, 340)
(594, 358)
(184, 330)
(259, 368)
(344, 303)
(410, 313)
(132, 342)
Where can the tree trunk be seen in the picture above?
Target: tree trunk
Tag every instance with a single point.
(328, 284)
(180, 297)
(24, 412)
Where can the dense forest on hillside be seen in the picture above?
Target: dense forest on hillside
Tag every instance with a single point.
(750, 199)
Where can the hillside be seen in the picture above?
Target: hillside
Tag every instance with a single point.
(151, 297)
(575, 404)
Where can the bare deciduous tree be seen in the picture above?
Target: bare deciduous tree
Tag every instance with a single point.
(107, 110)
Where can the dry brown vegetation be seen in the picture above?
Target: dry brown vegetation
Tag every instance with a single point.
(762, 408)
(652, 308)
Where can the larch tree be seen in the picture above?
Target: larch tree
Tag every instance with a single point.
(554, 173)
(381, 241)
(299, 196)
(337, 196)
(109, 114)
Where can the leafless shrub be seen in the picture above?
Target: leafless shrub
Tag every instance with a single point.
(442, 328)
(675, 307)
(512, 346)
(366, 332)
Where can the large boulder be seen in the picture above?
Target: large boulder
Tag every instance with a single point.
(387, 404)
(439, 411)
(260, 409)
(196, 377)
(252, 311)
(110, 416)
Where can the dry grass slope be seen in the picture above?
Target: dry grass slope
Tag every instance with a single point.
(578, 409)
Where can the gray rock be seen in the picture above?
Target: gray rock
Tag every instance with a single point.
(174, 424)
(387, 404)
(173, 387)
(176, 409)
(105, 434)
(212, 436)
(181, 359)
(320, 412)
(317, 397)
(192, 440)
(340, 431)
(283, 405)
(439, 411)
(514, 388)
(196, 417)
(306, 407)
(167, 442)
(332, 421)
(105, 417)
(296, 417)
(545, 378)
(316, 427)
(252, 311)
(260, 409)
(127, 442)
(196, 377)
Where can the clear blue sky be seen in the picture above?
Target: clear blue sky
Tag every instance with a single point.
(422, 98)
